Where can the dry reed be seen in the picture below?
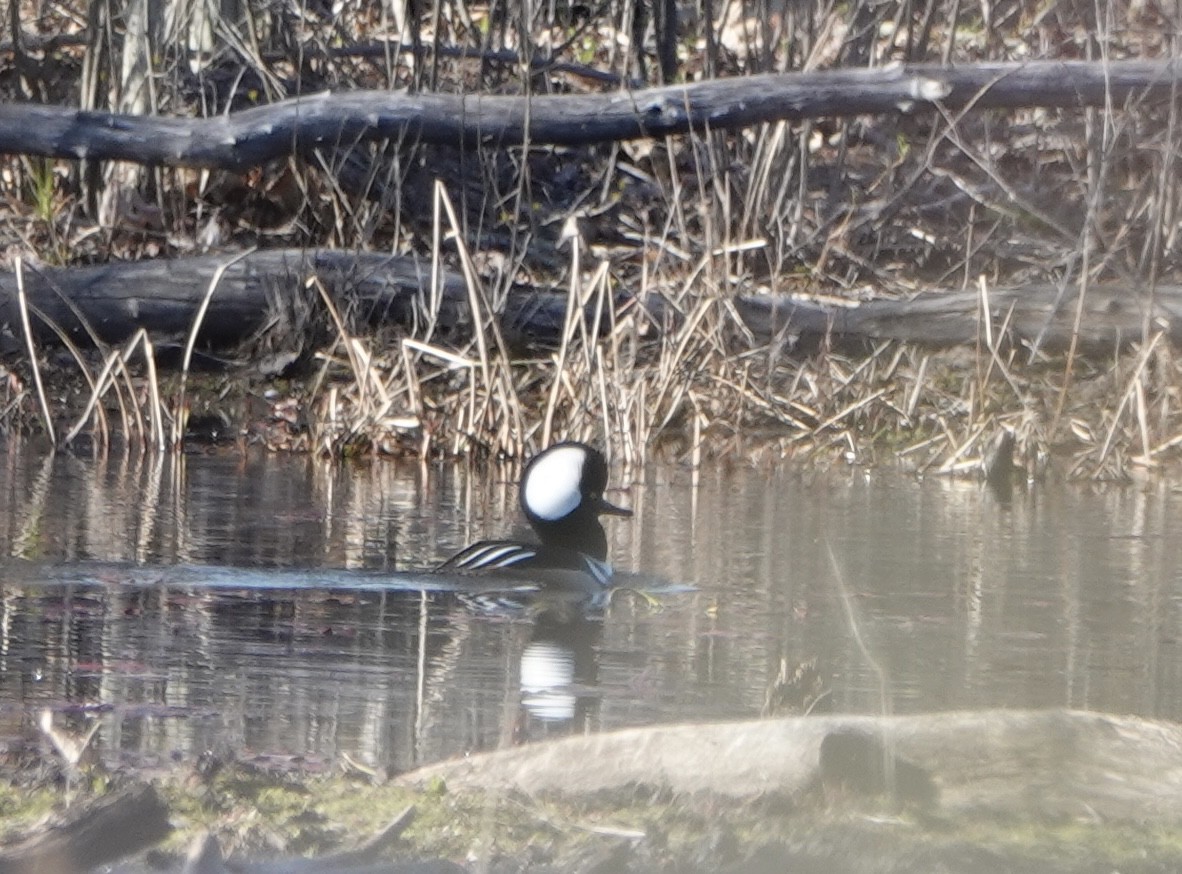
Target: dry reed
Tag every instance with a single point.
(678, 227)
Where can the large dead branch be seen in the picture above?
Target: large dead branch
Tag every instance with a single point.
(249, 292)
(299, 125)
(269, 288)
(1041, 315)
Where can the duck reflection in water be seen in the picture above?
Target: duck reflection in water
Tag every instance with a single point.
(557, 584)
(559, 675)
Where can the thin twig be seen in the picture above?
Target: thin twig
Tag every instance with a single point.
(181, 415)
(22, 305)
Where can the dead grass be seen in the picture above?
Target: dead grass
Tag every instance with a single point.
(889, 205)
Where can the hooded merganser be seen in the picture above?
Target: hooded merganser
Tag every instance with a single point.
(561, 494)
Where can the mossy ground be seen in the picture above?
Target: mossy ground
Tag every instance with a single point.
(256, 814)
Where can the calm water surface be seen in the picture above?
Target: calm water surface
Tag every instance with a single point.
(271, 606)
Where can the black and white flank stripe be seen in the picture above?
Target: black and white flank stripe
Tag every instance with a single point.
(509, 555)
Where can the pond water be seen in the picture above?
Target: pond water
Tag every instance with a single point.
(276, 607)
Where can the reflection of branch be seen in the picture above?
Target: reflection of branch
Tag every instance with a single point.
(32, 515)
(149, 521)
(440, 680)
(884, 702)
(71, 746)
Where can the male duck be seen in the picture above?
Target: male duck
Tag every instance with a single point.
(561, 494)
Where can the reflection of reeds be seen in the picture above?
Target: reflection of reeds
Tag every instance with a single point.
(71, 746)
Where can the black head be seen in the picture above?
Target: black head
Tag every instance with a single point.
(562, 497)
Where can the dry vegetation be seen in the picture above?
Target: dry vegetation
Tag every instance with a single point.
(882, 206)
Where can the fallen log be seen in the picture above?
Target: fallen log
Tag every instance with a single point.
(268, 288)
(249, 291)
(1037, 315)
(1041, 765)
(114, 826)
(303, 124)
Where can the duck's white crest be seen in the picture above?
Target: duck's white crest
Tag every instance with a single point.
(552, 487)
